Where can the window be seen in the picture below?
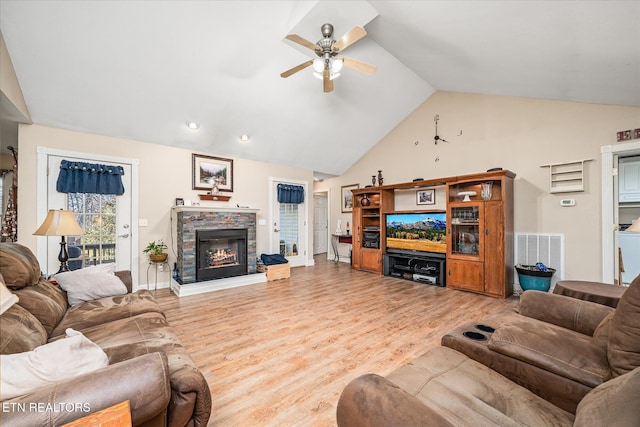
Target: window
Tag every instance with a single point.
(96, 214)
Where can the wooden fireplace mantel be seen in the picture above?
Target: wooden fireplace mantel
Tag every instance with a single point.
(213, 209)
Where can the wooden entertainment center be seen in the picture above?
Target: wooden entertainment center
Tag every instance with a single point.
(479, 232)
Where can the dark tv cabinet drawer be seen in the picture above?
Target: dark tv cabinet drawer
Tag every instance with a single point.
(419, 268)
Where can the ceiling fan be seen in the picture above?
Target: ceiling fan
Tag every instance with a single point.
(328, 64)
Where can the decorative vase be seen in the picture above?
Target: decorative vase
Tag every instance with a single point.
(365, 201)
(380, 179)
(486, 192)
(373, 180)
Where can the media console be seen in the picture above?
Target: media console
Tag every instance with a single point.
(417, 267)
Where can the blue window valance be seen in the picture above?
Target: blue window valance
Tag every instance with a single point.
(288, 193)
(81, 177)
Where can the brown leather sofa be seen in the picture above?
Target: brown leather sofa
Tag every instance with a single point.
(147, 363)
(559, 361)
(557, 346)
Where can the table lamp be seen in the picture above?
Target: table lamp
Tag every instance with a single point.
(60, 223)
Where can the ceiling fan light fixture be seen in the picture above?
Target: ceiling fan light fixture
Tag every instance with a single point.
(336, 65)
(318, 65)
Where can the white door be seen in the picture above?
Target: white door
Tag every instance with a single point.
(320, 223)
(105, 219)
(288, 227)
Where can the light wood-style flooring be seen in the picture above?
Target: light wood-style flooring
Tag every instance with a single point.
(280, 353)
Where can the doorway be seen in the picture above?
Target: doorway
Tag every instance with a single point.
(110, 232)
(320, 223)
(289, 224)
(610, 155)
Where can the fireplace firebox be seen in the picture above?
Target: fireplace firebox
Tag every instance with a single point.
(221, 253)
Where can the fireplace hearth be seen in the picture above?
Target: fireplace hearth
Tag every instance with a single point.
(221, 253)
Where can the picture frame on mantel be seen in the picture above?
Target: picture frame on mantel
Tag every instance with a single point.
(207, 168)
(347, 197)
(426, 197)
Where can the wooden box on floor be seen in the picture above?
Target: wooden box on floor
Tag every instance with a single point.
(275, 272)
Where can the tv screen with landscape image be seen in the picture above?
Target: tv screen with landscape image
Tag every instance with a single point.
(417, 232)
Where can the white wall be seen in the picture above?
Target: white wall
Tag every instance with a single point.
(164, 174)
(518, 134)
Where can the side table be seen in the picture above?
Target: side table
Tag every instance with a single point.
(601, 293)
(339, 238)
(156, 264)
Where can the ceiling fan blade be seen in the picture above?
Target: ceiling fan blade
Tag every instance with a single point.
(327, 83)
(357, 65)
(352, 36)
(302, 41)
(296, 69)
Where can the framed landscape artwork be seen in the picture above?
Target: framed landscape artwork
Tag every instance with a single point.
(347, 197)
(426, 197)
(207, 169)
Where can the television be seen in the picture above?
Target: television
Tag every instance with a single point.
(415, 232)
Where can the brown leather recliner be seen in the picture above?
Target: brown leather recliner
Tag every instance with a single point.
(581, 359)
(558, 347)
(444, 388)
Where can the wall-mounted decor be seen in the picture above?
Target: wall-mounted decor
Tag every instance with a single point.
(179, 201)
(426, 197)
(628, 135)
(208, 169)
(566, 177)
(347, 197)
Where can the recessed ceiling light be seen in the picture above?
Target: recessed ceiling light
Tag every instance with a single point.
(244, 138)
(193, 125)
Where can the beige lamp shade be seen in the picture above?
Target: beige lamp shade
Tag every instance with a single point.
(59, 223)
(635, 226)
(7, 298)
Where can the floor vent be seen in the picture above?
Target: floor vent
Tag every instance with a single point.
(531, 248)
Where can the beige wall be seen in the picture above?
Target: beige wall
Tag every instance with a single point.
(518, 134)
(164, 174)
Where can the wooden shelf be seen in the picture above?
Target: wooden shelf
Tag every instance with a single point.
(566, 177)
(215, 197)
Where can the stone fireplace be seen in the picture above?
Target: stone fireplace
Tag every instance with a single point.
(216, 248)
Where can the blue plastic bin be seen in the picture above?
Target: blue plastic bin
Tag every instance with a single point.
(532, 280)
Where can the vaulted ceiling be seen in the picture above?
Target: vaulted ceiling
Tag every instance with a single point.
(141, 69)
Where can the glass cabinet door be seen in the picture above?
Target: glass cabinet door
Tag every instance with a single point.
(465, 230)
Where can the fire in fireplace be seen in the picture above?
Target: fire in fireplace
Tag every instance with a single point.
(221, 253)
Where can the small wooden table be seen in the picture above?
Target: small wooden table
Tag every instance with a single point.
(339, 238)
(118, 415)
(601, 293)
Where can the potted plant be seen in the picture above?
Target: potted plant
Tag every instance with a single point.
(156, 251)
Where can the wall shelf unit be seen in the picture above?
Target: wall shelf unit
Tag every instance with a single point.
(566, 177)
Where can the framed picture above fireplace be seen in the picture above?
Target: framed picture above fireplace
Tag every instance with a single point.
(208, 170)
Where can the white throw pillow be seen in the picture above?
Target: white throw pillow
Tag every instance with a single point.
(49, 363)
(88, 284)
(103, 268)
